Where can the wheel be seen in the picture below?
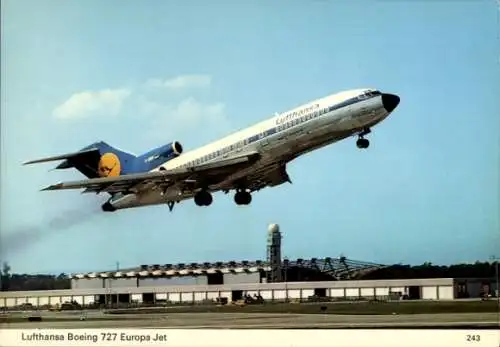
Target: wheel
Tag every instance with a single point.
(208, 199)
(247, 198)
(203, 198)
(362, 143)
(242, 198)
(198, 199)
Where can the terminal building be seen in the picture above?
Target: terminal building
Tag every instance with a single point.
(274, 279)
(273, 270)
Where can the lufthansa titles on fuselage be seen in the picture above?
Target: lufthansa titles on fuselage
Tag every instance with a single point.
(291, 115)
(289, 120)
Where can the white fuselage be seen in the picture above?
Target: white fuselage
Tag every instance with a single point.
(278, 139)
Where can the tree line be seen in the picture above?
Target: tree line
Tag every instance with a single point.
(20, 282)
(428, 270)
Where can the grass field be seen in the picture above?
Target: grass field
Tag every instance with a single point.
(354, 308)
(22, 319)
(357, 308)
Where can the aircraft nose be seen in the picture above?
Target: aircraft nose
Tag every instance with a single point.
(390, 102)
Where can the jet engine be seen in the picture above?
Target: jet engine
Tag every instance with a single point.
(119, 201)
(171, 150)
(176, 148)
(161, 154)
(108, 207)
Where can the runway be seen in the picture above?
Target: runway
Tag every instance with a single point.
(97, 319)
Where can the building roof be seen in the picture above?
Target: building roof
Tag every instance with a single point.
(338, 268)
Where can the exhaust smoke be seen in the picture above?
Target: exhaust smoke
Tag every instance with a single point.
(21, 238)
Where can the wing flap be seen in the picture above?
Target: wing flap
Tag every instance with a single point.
(270, 175)
(62, 157)
(97, 183)
(198, 174)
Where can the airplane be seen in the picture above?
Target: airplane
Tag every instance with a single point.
(245, 161)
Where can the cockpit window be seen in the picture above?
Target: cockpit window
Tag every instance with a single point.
(372, 93)
(369, 93)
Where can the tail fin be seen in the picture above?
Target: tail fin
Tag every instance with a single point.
(100, 160)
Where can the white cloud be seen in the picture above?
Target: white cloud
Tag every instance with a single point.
(160, 113)
(185, 115)
(191, 112)
(110, 101)
(190, 121)
(83, 104)
(182, 82)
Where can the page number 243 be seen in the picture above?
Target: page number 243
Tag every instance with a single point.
(472, 338)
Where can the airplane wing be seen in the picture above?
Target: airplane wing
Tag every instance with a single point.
(271, 175)
(206, 174)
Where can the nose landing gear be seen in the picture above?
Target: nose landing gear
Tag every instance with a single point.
(362, 142)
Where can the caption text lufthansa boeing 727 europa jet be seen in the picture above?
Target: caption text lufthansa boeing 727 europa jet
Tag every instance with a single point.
(246, 161)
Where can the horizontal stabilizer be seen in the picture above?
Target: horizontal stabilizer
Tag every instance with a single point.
(62, 157)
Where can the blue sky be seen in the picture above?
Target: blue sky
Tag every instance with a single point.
(74, 72)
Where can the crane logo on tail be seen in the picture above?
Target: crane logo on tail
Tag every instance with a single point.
(109, 165)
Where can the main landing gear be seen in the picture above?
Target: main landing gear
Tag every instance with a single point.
(203, 198)
(242, 197)
(362, 142)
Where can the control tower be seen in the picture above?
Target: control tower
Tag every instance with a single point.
(274, 253)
